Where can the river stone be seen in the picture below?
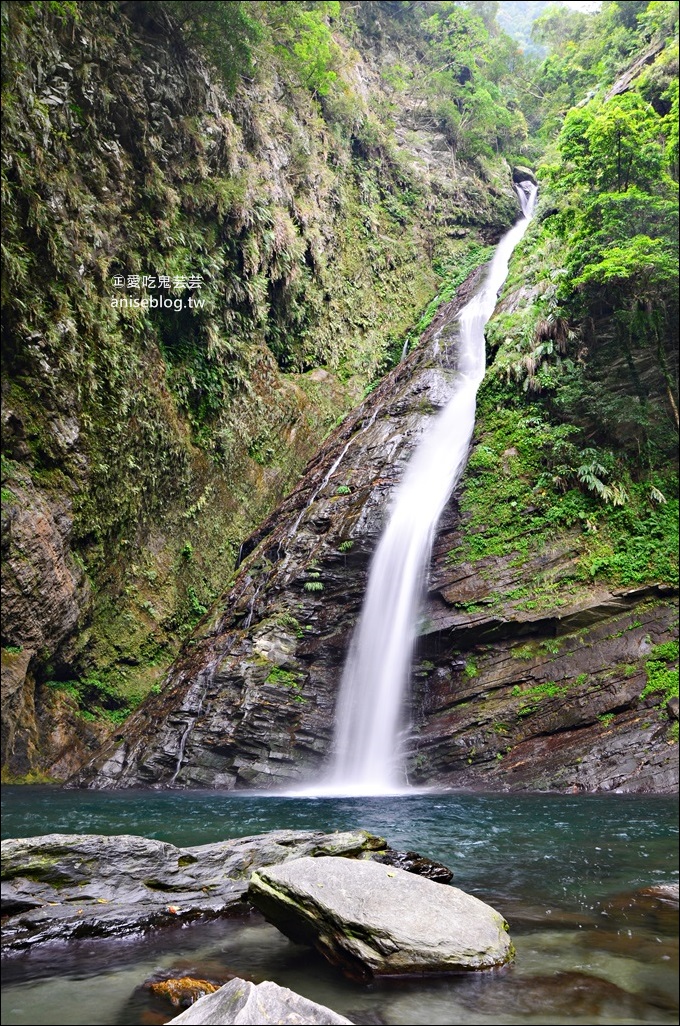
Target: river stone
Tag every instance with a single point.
(412, 862)
(372, 920)
(242, 1002)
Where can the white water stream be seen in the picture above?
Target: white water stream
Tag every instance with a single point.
(367, 758)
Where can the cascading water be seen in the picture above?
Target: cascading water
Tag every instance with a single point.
(379, 660)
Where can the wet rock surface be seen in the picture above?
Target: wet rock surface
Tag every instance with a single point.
(412, 862)
(242, 1002)
(375, 921)
(71, 886)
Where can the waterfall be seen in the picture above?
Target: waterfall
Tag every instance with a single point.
(377, 668)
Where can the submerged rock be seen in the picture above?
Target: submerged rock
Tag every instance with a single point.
(170, 990)
(653, 907)
(374, 921)
(243, 1002)
(181, 991)
(533, 999)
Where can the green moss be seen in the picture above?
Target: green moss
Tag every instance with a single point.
(287, 679)
(470, 670)
(532, 696)
(32, 777)
(291, 623)
(283, 678)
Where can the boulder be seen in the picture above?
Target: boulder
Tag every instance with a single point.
(69, 886)
(242, 1002)
(373, 920)
(412, 862)
(523, 174)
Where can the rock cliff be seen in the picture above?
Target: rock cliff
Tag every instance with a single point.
(527, 673)
(141, 446)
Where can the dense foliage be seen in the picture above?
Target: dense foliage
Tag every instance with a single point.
(584, 384)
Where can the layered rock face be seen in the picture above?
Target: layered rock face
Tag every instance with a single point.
(252, 701)
(507, 693)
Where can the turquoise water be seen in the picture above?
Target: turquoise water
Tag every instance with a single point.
(555, 866)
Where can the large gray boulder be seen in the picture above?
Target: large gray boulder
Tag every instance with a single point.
(69, 886)
(373, 920)
(242, 1002)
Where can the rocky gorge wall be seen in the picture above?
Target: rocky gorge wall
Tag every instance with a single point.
(145, 451)
(528, 673)
(141, 447)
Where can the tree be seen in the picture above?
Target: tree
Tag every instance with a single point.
(625, 13)
(223, 29)
(487, 10)
(612, 147)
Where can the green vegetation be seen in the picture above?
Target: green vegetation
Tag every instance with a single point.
(662, 672)
(190, 424)
(321, 234)
(287, 679)
(290, 623)
(453, 278)
(283, 677)
(470, 669)
(236, 36)
(527, 480)
(223, 30)
(538, 693)
(578, 417)
(98, 698)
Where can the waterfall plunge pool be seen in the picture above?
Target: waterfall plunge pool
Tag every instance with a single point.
(561, 869)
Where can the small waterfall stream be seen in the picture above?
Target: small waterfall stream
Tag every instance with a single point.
(379, 660)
